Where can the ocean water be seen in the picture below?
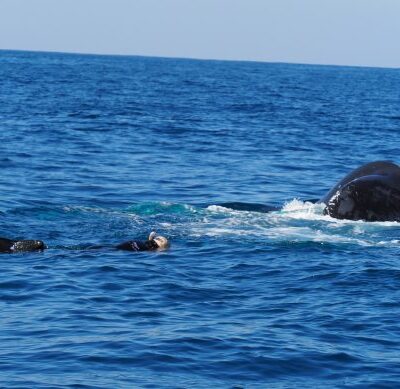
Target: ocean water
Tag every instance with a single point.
(96, 150)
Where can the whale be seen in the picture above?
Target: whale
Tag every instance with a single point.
(370, 193)
(18, 246)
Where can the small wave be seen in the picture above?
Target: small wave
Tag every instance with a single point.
(298, 205)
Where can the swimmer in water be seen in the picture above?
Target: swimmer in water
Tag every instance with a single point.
(19, 246)
(153, 243)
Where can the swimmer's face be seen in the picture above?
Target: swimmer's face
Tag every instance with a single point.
(162, 242)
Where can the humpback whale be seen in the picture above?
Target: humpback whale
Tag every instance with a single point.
(370, 192)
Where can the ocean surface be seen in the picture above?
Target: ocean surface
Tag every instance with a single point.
(96, 150)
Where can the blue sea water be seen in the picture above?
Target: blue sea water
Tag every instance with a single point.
(96, 150)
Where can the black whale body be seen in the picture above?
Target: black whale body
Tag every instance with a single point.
(370, 192)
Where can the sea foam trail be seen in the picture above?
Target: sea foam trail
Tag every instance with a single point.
(297, 221)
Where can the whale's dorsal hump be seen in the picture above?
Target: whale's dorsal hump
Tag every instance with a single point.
(382, 168)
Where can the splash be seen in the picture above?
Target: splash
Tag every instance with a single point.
(298, 209)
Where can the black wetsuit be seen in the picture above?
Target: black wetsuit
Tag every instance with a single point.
(134, 245)
(13, 246)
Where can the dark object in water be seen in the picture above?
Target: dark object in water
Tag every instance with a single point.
(17, 246)
(370, 192)
(153, 243)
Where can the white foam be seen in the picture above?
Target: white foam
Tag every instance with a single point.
(298, 205)
(221, 209)
(297, 209)
(298, 221)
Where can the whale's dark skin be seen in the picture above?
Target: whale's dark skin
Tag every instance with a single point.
(370, 193)
(18, 246)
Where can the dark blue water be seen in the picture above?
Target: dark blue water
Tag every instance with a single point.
(96, 150)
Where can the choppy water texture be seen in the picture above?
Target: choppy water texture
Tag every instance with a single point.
(96, 150)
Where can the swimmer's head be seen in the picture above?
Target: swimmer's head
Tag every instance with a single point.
(159, 240)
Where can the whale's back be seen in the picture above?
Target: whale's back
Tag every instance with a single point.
(383, 168)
